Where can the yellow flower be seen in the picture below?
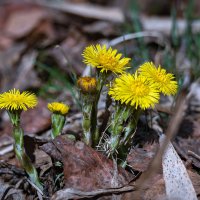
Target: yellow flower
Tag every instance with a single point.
(57, 107)
(134, 90)
(87, 84)
(165, 81)
(14, 100)
(105, 59)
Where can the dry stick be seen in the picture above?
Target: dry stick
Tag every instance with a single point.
(170, 133)
(70, 193)
(194, 155)
(161, 39)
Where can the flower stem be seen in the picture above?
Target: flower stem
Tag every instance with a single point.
(101, 78)
(86, 123)
(58, 122)
(20, 153)
(119, 117)
(129, 132)
(22, 156)
(131, 126)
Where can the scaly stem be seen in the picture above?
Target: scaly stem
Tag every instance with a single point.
(86, 122)
(101, 78)
(129, 132)
(131, 126)
(119, 117)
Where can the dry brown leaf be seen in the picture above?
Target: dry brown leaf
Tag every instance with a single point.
(68, 54)
(5, 42)
(139, 158)
(186, 145)
(22, 22)
(25, 76)
(36, 120)
(84, 168)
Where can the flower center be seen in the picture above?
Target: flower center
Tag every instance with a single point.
(140, 89)
(160, 77)
(15, 99)
(109, 62)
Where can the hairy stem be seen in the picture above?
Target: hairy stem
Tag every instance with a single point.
(58, 122)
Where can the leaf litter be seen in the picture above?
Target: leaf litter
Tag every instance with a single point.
(31, 30)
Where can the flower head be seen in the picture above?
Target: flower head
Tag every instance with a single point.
(87, 85)
(59, 108)
(134, 90)
(14, 100)
(105, 59)
(165, 81)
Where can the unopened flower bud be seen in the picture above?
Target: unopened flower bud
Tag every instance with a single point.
(87, 85)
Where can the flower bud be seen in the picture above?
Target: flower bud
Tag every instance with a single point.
(87, 85)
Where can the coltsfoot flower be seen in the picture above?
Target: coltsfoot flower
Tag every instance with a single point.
(87, 85)
(105, 59)
(58, 108)
(14, 100)
(135, 90)
(165, 81)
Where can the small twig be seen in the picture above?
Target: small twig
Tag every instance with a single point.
(131, 36)
(70, 193)
(115, 180)
(38, 189)
(191, 153)
(6, 192)
(6, 150)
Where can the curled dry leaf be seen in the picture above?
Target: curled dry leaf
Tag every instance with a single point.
(84, 168)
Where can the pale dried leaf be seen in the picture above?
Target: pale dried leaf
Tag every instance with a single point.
(177, 182)
(164, 25)
(87, 10)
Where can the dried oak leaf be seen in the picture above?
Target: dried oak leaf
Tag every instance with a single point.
(84, 168)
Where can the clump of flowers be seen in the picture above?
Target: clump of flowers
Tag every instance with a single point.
(59, 111)
(106, 61)
(132, 94)
(15, 102)
(129, 94)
